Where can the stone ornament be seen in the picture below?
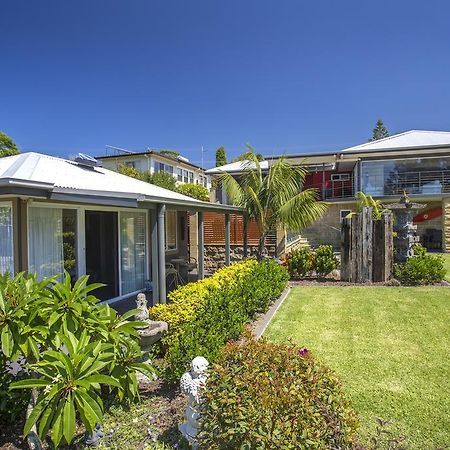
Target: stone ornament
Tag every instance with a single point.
(191, 384)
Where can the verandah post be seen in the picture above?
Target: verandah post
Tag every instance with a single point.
(227, 240)
(201, 246)
(161, 209)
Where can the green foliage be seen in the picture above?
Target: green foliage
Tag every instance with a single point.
(274, 198)
(420, 250)
(421, 269)
(300, 262)
(379, 132)
(170, 153)
(12, 403)
(325, 261)
(129, 171)
(265, 395)
(249, 155)
(7, 146)
(203, 316)
(304, 261)
(194, 190)
(72, 346)
(161, 179)
(221, 157)
(367, 201)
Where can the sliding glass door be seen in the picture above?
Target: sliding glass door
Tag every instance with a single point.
(133, 245)
(109, 246)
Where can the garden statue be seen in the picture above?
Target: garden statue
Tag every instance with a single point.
(191, 384)
(149, 333)
(404, 227)
(97, 434)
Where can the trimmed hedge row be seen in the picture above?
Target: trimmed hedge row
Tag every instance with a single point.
(203, 316)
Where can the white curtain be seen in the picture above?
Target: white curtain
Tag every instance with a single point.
(6, 240)
(133, 254)
(45, 241)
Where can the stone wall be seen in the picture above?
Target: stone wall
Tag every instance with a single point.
(327, 230)
(215, 255)
(446, 225)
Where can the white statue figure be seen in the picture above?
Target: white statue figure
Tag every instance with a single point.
(191, 384)
(141, 304)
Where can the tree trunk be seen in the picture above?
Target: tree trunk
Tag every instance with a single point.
(261, 246)
(245, 236)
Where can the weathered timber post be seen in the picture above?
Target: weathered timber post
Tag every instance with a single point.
(383, 245)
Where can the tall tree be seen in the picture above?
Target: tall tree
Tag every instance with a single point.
(274, 198)
(7, 146)
(221, 157)
(379, 132)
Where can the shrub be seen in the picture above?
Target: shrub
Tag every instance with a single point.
(300, 262)
(325, 260)
(195, 191)
(203, 316)
(12, 403)
(421, 269)
(37, 320)
(265, 395)
(303, 261)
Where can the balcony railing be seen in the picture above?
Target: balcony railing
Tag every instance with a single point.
(334, 189)
(414, 183)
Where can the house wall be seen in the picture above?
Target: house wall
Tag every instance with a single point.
(327, 230)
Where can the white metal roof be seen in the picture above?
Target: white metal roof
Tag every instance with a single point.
(408, 139)
(60, 176)
(237, 167)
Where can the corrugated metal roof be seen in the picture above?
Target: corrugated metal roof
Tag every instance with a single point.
(236, 167)
(408, 139)
(69, 176)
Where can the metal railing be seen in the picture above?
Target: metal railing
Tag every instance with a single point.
(334, 189)
(424, 182)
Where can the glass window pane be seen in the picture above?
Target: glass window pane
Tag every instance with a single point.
(69, 218)
(171, 230)
(133, 253)
(6, 240)
(45, 241)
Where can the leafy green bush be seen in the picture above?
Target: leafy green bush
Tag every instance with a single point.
(203, 316)
(300, 262)
(303, 261)
(72, 346)
(195, 191)
(421, 269)
(325, 260)
(266, 395)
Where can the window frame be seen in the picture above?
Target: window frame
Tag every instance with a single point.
(342, 217)
(166, 248)
(81, 230)
(9, 204)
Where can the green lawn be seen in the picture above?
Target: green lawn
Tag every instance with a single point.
(389, 345)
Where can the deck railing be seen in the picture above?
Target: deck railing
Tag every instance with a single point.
(334, 189)
(424, 182)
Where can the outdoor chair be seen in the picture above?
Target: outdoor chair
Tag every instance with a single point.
(173, 277)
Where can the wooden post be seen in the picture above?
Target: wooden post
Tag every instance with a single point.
(365, 272)
(227, 240)
(201, 246)
(346, 245)
(161, 210)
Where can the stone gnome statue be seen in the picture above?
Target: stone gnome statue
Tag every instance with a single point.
(191, 384)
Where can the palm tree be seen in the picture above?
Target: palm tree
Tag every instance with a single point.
(273, 198)
(367, 201)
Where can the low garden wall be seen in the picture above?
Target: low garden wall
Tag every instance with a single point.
(215, 254)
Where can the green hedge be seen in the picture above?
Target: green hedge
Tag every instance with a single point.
(304, 262)
(262, 395)
(203, 316)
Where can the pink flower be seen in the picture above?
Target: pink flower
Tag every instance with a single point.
(303, 351)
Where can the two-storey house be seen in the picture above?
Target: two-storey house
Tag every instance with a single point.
(415, 161)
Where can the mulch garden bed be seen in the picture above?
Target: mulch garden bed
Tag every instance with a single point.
(140, 426)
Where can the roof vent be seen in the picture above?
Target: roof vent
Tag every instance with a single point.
(87, 161)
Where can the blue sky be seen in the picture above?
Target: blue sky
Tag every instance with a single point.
(284, 76)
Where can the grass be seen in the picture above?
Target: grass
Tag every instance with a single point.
(389, 345)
